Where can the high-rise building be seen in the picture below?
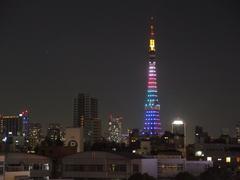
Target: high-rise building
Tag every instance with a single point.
(133, 135)
(178, 127)
(13, 131)
(11, 126)
(34, 136)
(152, 124)
(134, 138)
(55, 134)
(115, 128)
(200, 135)
(179, 132)
(85, 115)
(14, 125)
(25, 122)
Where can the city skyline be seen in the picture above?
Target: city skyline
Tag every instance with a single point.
(50, 52)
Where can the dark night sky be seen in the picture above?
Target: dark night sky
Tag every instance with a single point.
(51, 50)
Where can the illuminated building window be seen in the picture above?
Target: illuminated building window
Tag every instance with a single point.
(46, 167)
(198, 153)
(228, 159)
(118, 167)
(113, 166)
(209, 158)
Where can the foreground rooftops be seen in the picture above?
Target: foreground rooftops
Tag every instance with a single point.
(15, 158)
(104, 155)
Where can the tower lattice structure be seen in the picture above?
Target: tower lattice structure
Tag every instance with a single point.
(152, 123)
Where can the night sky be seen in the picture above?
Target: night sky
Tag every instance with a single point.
(51, 50)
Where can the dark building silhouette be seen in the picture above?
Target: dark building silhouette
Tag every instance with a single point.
(85, 114)
(179, 131)
(55, 134)
(200, 135)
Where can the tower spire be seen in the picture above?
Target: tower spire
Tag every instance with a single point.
(152, 47)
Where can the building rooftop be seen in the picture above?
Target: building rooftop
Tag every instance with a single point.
(15, 158)
(103, 155)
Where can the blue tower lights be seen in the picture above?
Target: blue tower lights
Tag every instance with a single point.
(152, 124)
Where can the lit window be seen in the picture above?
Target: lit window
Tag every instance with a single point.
(209, 158)
(46, 167)
(113, 167)
(198, 153)
(228, 159)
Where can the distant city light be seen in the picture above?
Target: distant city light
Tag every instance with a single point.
(46, 166)
(228, 159)
(177, 122)
(4, 139)
(209, 158)
(198, 153)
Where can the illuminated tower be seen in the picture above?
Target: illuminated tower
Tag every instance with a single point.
(152, 124)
